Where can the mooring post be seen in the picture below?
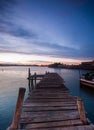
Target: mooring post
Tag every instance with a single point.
(18, 109)
(35, 78)
(29, 83)
(81, 110)
(32, 82)
(79, 73)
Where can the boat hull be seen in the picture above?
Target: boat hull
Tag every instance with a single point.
(87, 83)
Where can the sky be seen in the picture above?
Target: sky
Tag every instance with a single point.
(45, 31)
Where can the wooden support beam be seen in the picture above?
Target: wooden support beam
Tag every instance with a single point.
(81, 110)
(18, 109)
(35, 78)
(32, 85)
(29, 83)
(29, 74)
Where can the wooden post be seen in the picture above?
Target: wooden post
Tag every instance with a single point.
(79, 74)
(81, 110)
(29, 75)
(32, 83)
(18, 109)
(35, 78)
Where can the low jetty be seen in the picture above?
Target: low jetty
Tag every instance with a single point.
(49, 106)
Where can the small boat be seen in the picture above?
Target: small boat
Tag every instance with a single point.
(87, 79)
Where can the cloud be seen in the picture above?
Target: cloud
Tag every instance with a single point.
(28, 46)
(16, 30)
(8, 23)
(22, 32)
(21, 40)
(18, 44)
(6, 8)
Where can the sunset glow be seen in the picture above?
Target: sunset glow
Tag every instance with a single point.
(33, 59)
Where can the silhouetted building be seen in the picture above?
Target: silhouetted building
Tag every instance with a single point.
(89, 63)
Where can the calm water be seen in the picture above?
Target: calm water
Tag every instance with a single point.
(11, 78)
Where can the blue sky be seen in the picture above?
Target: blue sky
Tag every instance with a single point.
(33, 31)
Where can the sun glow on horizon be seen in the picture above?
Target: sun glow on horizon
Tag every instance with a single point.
(17, 58)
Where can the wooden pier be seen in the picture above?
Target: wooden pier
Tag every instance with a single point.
(50, 106)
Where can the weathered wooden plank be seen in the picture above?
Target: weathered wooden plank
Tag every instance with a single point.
(54, 124)
(49, 113)
(39, 97)
(46, 95)
(54, 82)
(50, 91)
(35, 108)
(60, 88)
(85, 127)
(49, 104)
(80, 127)
(50, 100)
(51, 96)
(47, 86)
(52, 116)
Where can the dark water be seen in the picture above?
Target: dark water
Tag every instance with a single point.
(11, 78)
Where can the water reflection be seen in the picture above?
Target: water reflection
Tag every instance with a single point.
(87, 90)
(87, 95)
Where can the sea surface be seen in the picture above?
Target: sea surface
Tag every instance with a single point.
(12, 78)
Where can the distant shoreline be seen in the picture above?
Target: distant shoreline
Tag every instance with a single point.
(15, 65)
(76, 67)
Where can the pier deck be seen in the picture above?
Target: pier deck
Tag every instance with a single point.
(50, 106)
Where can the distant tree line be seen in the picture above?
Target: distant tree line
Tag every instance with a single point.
(83, 65)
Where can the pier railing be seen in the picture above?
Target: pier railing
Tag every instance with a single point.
(33, 78)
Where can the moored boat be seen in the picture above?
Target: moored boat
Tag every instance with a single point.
(87, 79)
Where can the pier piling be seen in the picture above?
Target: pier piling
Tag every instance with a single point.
(82, 111)
(18, 109)
(29, 83)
